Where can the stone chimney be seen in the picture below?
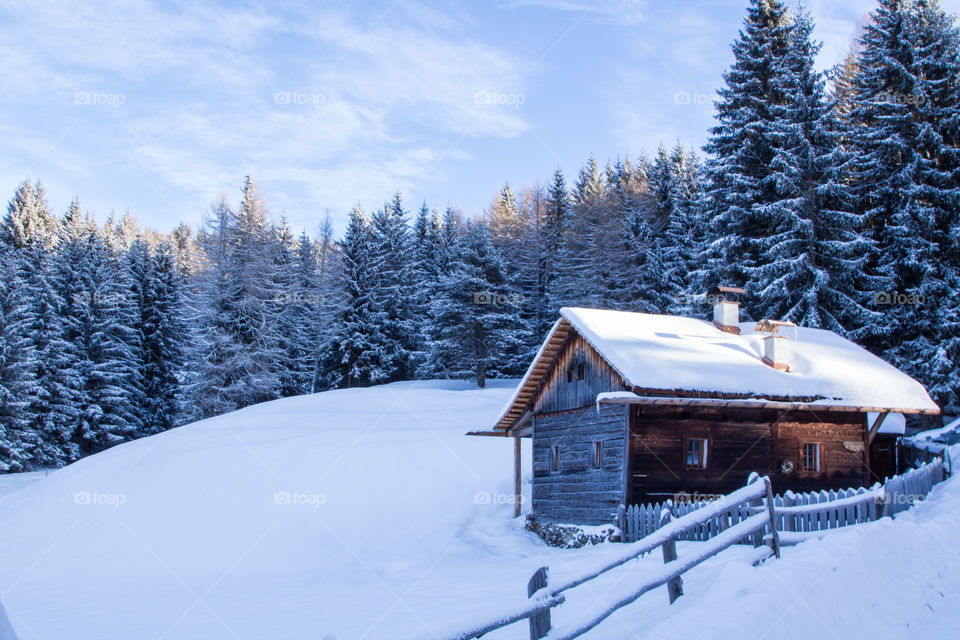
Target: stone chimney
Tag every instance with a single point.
(726, 308)
(776, 348)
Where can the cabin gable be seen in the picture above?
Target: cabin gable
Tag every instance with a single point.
(577, 374)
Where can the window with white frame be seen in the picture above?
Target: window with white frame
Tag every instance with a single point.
(810, 456)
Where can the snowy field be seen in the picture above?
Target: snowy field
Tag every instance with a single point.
(366, 513)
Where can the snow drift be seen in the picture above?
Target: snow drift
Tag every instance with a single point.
(367, 513)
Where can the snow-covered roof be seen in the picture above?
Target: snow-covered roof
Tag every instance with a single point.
(670, 354)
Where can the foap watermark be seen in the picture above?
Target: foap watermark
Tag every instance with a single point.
(89, 298)
(99, 499)
(299, 499)
(690, 299)
(496, 497)
(893, 298)
(895, 97)
(99, 99)
(499, 98)
(299, 99)
(901, 499)
(686, 97)
(301, 298)
(499, 299)
(682, 497)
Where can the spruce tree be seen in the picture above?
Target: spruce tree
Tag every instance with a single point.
(812, 257)
(391, 251)
(476, 313)
(28, 219)
(741, 195)
(161, 327)
(359, 350)
(556, 257)
(904, 129)
(250, 315)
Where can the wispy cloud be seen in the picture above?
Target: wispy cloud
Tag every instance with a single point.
(322, 103)
(625, 11)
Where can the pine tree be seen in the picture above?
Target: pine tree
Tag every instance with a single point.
(507, 226)
(535, 273)
(17, 438)
(184, 249)
(212, 369)
(112, 392)
(317, 262)
(478, 321)
(424, 278)
(359, 348)
(28, 218)
(740, 191)
(237, 354)
(588, 277)
(684, 234)
(812, 254)
(292, 304)
(905, 132)
(250, 313)
(158, 292)
(556, 259)
(391, 252)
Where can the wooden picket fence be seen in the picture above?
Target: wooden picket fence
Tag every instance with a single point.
(804, 512)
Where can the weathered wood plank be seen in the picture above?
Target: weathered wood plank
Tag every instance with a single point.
(539, 622)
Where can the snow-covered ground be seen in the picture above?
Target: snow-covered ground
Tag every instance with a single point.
(367, 513)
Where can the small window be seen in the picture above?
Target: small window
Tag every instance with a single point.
(810, 456)
(555, 462)
(695, 453)
(597, 454)
(579, 372)
(570, 374)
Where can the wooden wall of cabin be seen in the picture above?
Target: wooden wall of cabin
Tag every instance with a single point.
(560, 393)
(575, 492)
(841, 436)
(739, 442)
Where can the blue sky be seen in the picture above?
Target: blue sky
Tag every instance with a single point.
(157, 107)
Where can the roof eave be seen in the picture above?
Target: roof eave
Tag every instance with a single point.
(760, 403)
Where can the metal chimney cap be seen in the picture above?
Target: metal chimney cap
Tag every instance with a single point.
(772, 326)
(724, 293)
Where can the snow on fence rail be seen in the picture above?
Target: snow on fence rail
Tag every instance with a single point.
(805, 513)
(918, 450)
(755, 497)
(751, 514)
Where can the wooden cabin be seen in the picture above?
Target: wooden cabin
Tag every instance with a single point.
(627, 408)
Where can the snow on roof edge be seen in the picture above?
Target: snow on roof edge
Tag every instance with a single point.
(529, 371)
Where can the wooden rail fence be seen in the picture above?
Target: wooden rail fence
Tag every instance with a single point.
(751, 514)
(543, 596)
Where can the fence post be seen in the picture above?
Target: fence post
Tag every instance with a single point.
(622, 521)
(774, 536)
(539, 623)
(674, 586)
(755, 504)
